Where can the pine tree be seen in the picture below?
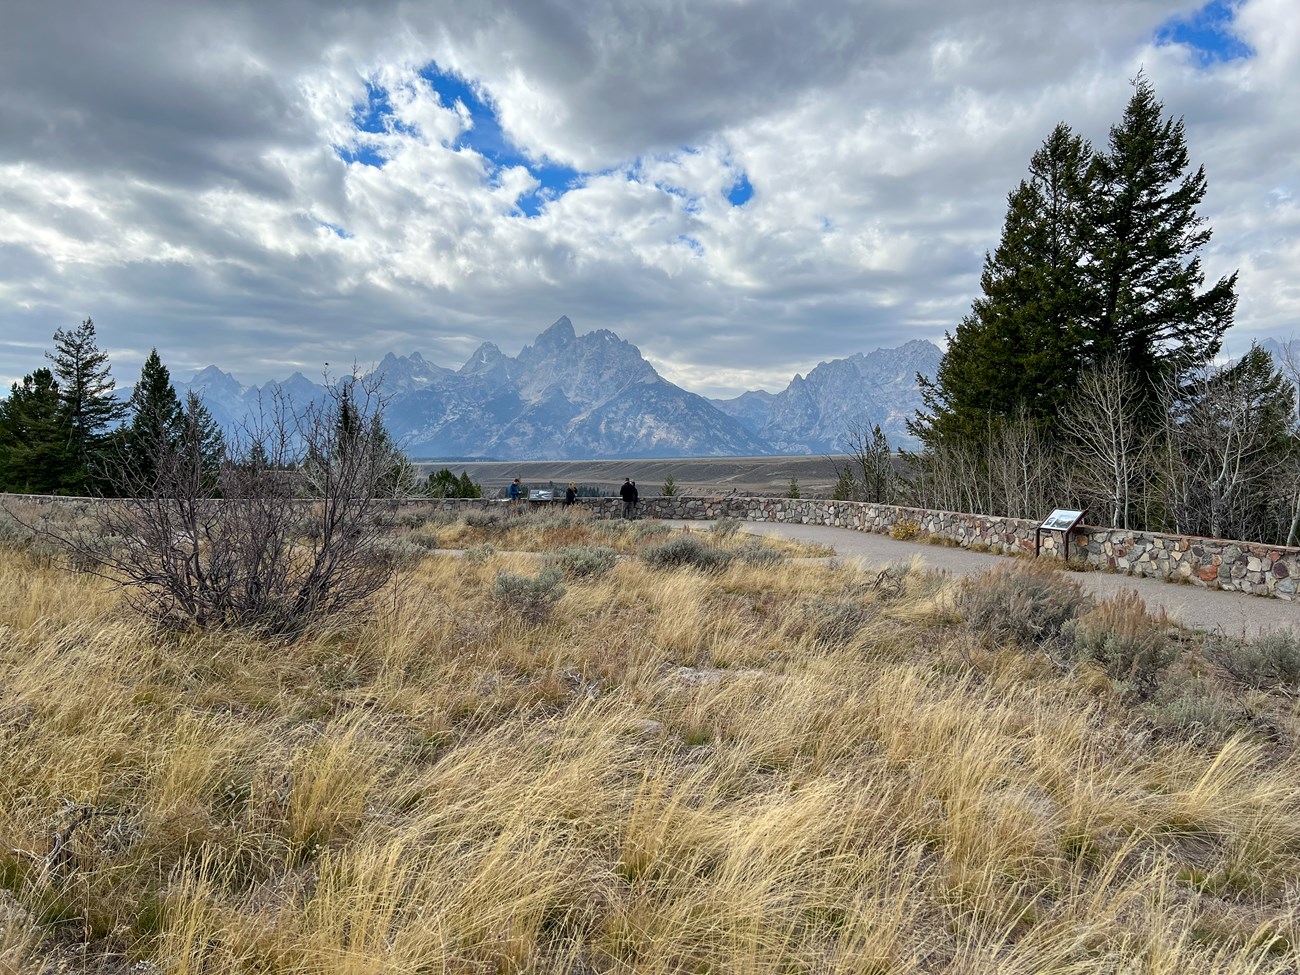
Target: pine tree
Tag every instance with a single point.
(1143, 237)
(157, 419)
(34, 453)
(1018, 350)
(86, 390)
(469, 488)
(202, 441)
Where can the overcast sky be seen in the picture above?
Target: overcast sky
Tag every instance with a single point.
(741, 188)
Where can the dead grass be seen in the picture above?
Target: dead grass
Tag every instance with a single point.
(672, 772)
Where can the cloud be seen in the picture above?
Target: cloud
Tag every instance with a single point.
(740, 187)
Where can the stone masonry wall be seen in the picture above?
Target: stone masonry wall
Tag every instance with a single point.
(1265, 570)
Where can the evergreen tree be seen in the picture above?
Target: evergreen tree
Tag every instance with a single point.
(442, 484)
(201, 440)
(86, 391)
(1018, 350)
(1143, 237)
(34, 456)
(468, 488)
(157, 419)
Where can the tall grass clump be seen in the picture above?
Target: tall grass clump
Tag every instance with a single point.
(725, 527)
(803, 768)
(1029, 602)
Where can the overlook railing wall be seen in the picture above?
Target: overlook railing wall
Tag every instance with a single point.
(1265, 570)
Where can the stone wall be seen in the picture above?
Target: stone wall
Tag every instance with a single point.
(1265, 570)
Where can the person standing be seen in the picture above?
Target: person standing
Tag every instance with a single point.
(636, 502)
(516, 492)
(570, 494)
(628, 493)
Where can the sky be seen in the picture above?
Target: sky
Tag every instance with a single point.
(741, 188)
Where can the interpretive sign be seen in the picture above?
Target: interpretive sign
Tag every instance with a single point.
(1060, 520)
(539, 494)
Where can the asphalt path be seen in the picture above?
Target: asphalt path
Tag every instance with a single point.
(1233, 614)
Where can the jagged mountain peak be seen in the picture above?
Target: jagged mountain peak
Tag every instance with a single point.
(484, 357)
(407, 372)
(212, 377)
(560, 334)
(594, 395)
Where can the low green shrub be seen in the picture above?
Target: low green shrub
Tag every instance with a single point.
(485, 519)
(614, 528)
(585, 561)
(1190, 704)
(836, 621)
(552, 520)
(755, 552)
(1123, 637)
(1271, 661)
(686, 551)
(530, 597)
(1027, 601)
(14, 533)
(399, 551)
(479, 554)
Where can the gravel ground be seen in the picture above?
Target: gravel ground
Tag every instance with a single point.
(1233, 614)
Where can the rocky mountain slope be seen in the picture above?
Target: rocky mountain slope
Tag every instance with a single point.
(813, 414)
(569, 396)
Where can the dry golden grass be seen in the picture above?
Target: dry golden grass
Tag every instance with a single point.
(797, 768)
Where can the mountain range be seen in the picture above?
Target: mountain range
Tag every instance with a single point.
(567, 396)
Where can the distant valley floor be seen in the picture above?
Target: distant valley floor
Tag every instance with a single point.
(692, 475)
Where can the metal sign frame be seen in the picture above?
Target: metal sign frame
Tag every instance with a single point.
(1061, 520)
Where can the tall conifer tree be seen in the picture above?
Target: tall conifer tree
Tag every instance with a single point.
(34, 453)
(156, 418)
(86, 389)
(1019, 348)
(1143, 238)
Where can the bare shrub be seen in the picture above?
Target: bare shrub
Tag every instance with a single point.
(1027, 601)
(280, 532)
(687, 552)
(530, 597)
(1123, 637)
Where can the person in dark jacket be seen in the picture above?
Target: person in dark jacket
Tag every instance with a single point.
(570, 494)
(628, 493)
(516, 492)
(636, 502)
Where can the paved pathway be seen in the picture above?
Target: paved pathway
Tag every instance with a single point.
(1234, 614)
